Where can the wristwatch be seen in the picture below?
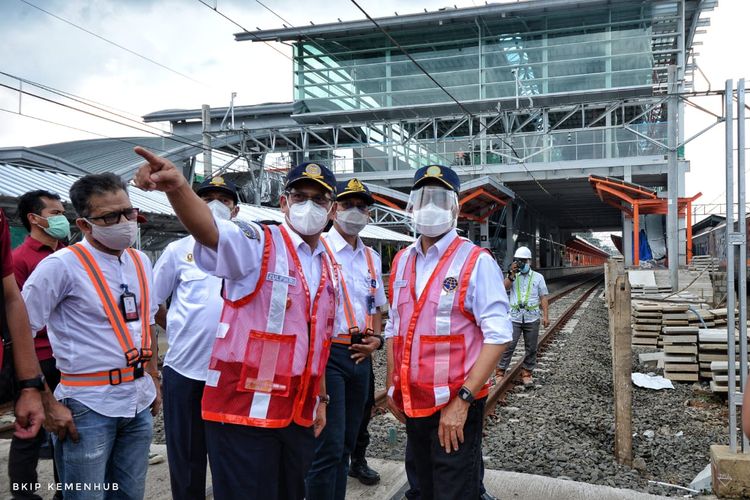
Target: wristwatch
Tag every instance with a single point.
(465, 394)
(33, 383)
(325, 399)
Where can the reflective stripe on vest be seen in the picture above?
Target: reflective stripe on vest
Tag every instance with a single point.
(524, 300)
(132, 356)
(270, 351)
(349, 313)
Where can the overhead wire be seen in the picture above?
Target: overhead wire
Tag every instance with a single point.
(216, 9)
(175, 138)
(126, 49)
(323, 50)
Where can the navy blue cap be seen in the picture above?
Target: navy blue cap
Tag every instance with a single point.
(440, 173)
(219, 183)
(353, 187)
(312, 171)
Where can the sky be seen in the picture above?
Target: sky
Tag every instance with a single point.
(204, 64)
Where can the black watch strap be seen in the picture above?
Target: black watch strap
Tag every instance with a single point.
(32, 383)
(465, 394)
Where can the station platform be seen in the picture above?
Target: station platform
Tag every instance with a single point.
(501, 484)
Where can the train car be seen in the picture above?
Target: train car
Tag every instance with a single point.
(711, 240)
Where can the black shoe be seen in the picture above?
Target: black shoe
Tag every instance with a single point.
(360, 470)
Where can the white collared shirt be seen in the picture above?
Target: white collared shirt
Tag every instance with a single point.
(356, 273)
(238, 258)
(485, 297)
(59, 295)
(194, 311)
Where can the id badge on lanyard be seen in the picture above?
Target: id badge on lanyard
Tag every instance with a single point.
(128, 305)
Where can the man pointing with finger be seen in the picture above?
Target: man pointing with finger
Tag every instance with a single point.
(447, 328)
(265, 395)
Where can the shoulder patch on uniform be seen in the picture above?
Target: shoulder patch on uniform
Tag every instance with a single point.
(247, 229)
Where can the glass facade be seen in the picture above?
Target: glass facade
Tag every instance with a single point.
(489, 58)
(484, 58)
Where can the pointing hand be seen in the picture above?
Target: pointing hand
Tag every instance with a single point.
(157, 173)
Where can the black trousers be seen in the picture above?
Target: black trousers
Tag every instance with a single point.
(256, 463)
(363, 438)
(24, 453)
(442, 475)
(185, 433)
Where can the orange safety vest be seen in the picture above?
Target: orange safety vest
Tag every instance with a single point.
(351, 318)
(436, 340)
(134, 359)
(271, 350)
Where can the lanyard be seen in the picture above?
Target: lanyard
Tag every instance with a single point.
(351, 318)
(293, 252)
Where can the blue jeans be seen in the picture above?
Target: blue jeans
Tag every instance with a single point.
(347, 383)
(111, 458)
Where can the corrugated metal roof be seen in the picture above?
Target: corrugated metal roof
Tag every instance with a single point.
(116, 155)
(14, 181)
(370, 232)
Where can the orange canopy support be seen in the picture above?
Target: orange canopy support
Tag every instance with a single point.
(635, 200)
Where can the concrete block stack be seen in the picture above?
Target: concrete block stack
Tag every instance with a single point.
(647, 318)
(720, 316)
(712, 347)
(680, 352)
(706, 263)
(720, 376)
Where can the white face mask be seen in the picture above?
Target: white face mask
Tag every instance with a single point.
(307, 218)
(116, 237)
(352, 221)
(433, 221)
(219, 210)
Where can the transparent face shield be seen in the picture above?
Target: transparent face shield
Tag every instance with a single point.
(434, 210)
(436, 196)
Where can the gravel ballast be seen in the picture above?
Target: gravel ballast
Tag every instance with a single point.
(564, 427)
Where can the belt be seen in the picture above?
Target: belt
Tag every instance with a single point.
(116, 376)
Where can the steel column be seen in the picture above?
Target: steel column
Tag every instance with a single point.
(732, 384)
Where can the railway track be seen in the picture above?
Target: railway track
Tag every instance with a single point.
(500, 389)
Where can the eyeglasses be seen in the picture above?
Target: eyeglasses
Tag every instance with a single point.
(347, 204)
(319, 199)
(114, 217)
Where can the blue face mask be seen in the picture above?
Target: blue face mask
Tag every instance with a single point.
(525, 268)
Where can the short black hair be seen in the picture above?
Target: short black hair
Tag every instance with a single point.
(32, 203)
(93, 184)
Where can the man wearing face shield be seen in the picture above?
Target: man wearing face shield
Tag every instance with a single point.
(357, 332)
(528, 298)
(94, 298)
(190, 323)
(447, 328)
(265, 396)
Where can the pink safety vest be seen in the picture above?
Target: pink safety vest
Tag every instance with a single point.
(270, 352)
(436, 340)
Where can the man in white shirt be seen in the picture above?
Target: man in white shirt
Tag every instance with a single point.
(529, 307)
(357, 334)
(94, 299)
(447, 327)
(190, 322)
(265, 397)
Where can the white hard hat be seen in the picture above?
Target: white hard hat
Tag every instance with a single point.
(522, 253)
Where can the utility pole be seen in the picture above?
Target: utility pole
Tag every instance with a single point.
(206, 119)
(673, 226)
